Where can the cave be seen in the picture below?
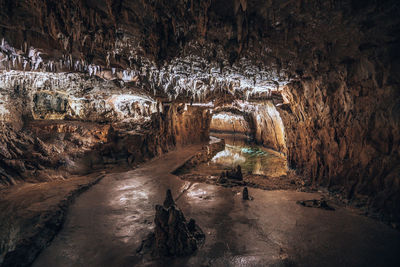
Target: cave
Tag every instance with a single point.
(273, 126)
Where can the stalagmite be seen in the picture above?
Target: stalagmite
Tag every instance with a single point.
(173, 235)
(245, 194)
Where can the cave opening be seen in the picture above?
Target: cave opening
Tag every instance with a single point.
(239, 131)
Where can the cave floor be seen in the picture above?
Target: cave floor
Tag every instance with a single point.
(106, 224)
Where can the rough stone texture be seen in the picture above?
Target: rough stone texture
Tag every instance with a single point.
(348, 140)
(173, 235)
(316, 203)
(342, 119)
(172, 128)
(115, 41)
(234, 174)
(188, 126)
(45, 151)
(46, 95)
(78, 147)
(226, 122)
(269, 129)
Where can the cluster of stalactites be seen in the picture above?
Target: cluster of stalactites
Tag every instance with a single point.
(42, 80)
(134, 106)
(29, 59)
(189, 77)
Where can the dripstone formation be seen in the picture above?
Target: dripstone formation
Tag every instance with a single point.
(245, 194)
(235, 174)
(173, 235)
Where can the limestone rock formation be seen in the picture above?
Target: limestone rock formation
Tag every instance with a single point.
(316, 203)
(225, 122)
(245, 194)
(234, 174)
(169, 201)
(259, 121)
(43, 150)
(173, 235)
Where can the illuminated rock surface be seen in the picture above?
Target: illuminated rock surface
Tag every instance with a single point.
(99, 85)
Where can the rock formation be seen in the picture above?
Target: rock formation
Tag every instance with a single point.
(169, 201)
(173, 235)
(225, 122)
(245, 194)
(234, 174)
(315, 203)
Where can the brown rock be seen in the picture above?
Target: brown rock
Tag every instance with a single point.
(245, 194)
(169, 201)
(173, 235)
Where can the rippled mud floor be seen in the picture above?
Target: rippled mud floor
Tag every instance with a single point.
(107, 223)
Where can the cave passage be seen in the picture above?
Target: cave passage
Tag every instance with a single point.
(199, 133)
(252, 158)
(241, 148)
(105, 225)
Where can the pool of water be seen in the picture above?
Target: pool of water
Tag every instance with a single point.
(252, 158)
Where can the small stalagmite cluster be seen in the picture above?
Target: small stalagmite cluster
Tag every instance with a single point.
(173, 235)
(234, 174)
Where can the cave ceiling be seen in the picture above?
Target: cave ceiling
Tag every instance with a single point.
(194, 48)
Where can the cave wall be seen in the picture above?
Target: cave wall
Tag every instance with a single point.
(74, 96)
(269, 129)
(53, 125)
(343, 132)
(226, 122)
(48, 150)
(190, 124)
(172, 128)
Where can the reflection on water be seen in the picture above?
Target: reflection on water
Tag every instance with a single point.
(252, 158)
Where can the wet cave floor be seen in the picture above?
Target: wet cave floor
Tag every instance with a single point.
(261, 167)
(106, 224)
